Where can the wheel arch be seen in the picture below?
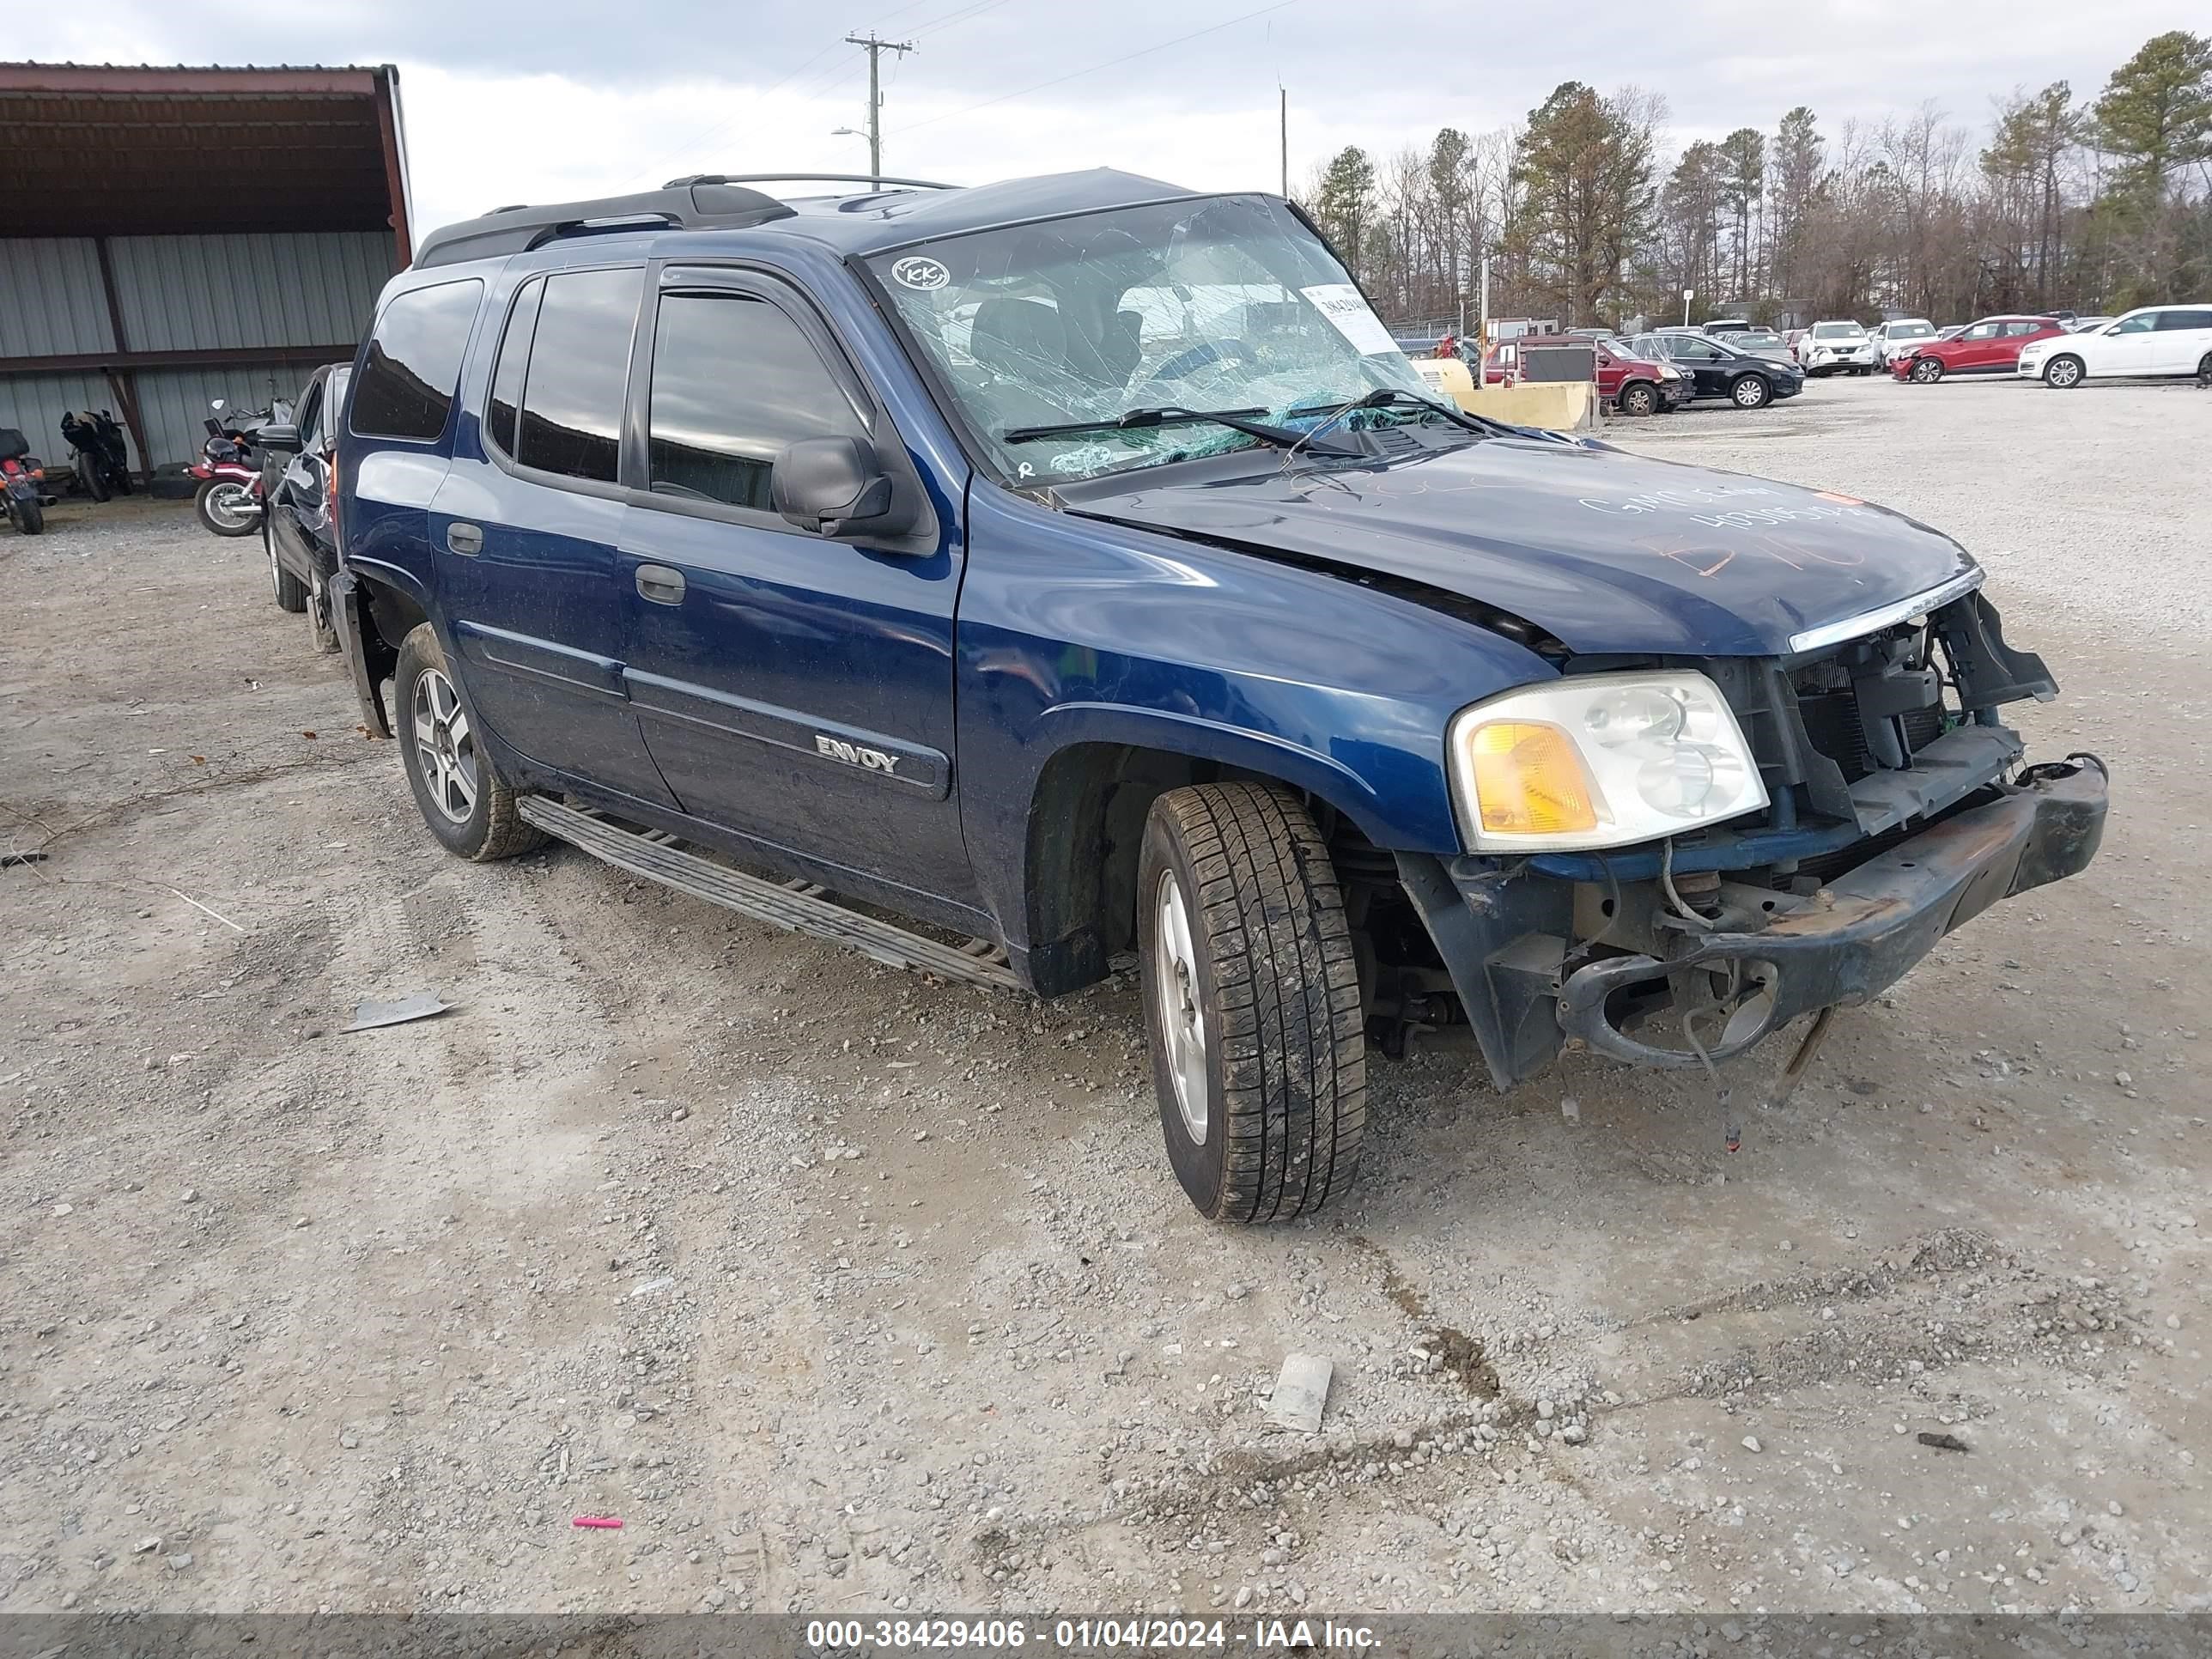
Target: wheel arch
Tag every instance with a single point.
(1084, 824)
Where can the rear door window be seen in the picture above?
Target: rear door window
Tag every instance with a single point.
(414, 362)
(735, 381)
(514, 360)
(572, 397)
(2179, 319)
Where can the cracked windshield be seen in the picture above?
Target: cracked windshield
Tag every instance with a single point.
(1226, 305)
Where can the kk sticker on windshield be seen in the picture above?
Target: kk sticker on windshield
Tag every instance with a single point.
(1347, 309)
(917, 272)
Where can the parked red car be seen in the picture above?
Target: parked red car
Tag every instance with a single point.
(1631, 385)
(1991, 346)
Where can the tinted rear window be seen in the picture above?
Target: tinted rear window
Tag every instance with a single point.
(414, 362)
(572, 401)
(2181, 319)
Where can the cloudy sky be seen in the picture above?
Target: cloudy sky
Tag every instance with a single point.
(514, 101)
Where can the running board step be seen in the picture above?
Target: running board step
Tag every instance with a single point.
(801, 909)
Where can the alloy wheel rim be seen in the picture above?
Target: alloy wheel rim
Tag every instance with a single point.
(275, 571)
(230, 504)
(445, 746)
(1182, 1020)
(2063, 372)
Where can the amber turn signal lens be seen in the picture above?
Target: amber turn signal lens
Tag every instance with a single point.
(1528, 780)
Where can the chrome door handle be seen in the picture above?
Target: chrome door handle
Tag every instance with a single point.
(465, 539)
(659, 584)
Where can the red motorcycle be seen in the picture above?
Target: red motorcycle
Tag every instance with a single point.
(23, 495)
(229, 498)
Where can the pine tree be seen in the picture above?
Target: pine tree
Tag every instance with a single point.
(2156, 112)
(1345, 204)
(1798, 149)
(1583, 170)
(1743, 186)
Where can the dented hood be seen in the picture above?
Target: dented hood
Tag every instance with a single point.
(1606, 551)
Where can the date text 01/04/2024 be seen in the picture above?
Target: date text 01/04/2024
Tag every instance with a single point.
(1093, 1635)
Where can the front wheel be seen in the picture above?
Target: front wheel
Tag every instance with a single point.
(1252, 1001)
(1927, 371)
(468, 805)
(226, 507)
(2062, 372)
(1638, 397)
(93, 476)
(30, 517)
(1751, 392)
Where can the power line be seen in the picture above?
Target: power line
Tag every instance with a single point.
(965, 14)
(1092, 68)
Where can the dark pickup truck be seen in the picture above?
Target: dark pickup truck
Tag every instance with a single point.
(1074, 569)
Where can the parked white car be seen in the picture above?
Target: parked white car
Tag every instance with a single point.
(1835, 346)
(2150, 340)
(1901, 335)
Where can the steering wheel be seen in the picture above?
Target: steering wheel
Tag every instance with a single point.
(1202, 355)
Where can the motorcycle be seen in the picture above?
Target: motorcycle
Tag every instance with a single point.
(102, 462)
(229, 500)
(22, 483)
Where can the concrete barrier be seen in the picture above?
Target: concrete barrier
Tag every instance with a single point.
(1556, 406)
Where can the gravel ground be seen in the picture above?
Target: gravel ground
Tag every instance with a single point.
(849, 1291)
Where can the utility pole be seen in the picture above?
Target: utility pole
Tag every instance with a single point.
(875, 49)
(1283, 93)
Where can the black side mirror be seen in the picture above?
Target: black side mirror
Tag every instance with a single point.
(279, 436)
(838, 487)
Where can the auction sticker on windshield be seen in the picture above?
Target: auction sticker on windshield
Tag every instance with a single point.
(918, 272)
(1347, 308)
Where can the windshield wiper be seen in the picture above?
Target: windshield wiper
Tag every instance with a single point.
(1384, 396)
(1137, 420)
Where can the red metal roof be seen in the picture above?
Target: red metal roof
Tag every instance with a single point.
(106, 150)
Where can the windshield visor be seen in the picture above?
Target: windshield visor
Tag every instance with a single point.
(1223, 303)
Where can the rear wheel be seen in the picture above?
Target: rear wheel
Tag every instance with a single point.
(468, 805)
(2062, 372)
(1639, 397)
(226, 507)
(2204, 369)
(319, 616)
(291, 593)
(1251, 1001)
(30, 517)
(1750, 392)
(1926, 371)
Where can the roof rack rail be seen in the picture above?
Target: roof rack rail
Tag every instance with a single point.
(877, 179)
(704, 203)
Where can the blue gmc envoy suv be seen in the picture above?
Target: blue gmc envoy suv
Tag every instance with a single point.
(1074, 569)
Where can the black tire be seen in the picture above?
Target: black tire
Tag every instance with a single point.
(490, 827)
(92, 475)
(1639, 397)
(212, 525)
(1271, 990)
(291, 593)
(30, 517)
(1750, 392)
(320, 621)
(2064, 372)
(1926, 371)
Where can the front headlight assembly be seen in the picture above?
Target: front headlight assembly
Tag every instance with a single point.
(1600, 760)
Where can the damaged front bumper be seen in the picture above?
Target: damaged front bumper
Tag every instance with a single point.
(1842, 944)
